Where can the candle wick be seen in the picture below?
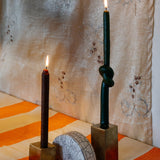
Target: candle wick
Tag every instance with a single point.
(46, 67)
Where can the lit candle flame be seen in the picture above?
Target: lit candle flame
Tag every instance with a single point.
(106, 4)
(47, 61)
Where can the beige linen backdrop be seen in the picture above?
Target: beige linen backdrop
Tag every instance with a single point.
(70, 32)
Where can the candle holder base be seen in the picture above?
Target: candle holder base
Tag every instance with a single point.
(105, 142)
(38, 153)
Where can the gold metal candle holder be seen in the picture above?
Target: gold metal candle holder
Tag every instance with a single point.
(38, 153)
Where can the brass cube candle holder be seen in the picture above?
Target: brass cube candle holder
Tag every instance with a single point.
(105, 142)
(38, 153)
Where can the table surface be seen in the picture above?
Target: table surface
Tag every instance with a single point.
(20, 126)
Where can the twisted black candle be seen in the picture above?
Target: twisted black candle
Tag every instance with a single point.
(106, 72)
(44, 108)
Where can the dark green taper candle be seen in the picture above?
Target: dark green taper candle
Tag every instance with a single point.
(104, 118)
(106, 33)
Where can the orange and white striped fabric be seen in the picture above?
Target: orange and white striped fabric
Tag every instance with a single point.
(20, 126)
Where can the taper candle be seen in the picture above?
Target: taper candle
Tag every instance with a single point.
(106, 32)
(44, 106)
(104, 118)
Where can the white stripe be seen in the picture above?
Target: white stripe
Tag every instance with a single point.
(6, 100)
(22, 119)
(130, 149)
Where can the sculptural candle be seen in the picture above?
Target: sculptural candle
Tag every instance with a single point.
(106, 32)
(105, 71)
(44, 106)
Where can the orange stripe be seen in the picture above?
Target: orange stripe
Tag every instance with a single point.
(120, 136)
(89, 137)
(17, 108)
(153, 154)
(59, 120)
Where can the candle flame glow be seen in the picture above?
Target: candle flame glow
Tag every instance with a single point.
(106, 3)
(47, 61)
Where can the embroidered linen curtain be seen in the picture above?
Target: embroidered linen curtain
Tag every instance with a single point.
(70, 32)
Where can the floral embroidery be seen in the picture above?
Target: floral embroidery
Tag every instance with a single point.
(135, 104)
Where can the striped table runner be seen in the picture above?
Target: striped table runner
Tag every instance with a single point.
(20, 126)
